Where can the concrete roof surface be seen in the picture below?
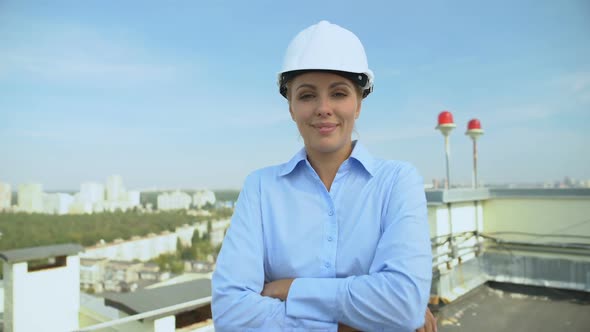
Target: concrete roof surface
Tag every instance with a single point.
(151, 299)
(508, 307)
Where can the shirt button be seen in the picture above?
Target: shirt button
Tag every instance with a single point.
(330, 238)
(331, 213)
(327, 265)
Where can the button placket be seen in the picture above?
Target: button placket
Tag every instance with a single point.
(331, 236)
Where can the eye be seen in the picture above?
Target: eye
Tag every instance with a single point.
(340, 94)
(306, 96)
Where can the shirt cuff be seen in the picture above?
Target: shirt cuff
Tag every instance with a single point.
(315, 298)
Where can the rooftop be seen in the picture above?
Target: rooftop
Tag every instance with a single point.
(29, 254)
(156, 298)
(519, 307)
(468, 194)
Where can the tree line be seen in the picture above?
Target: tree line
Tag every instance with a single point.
(22, 230)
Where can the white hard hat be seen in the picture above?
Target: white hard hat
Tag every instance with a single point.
(327, 47)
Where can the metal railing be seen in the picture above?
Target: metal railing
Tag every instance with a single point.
(153, 313)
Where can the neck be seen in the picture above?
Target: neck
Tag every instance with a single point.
(326, 165)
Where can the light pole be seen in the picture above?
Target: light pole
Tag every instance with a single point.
(474, 131)
(446, 125)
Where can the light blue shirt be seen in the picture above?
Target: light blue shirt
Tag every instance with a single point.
(360, 253)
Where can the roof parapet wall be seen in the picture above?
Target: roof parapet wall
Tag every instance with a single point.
(29, 254)
(435, 197)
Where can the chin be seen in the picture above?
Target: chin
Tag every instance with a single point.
(327, 147)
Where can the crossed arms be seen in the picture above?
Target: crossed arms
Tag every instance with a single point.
(392, 296)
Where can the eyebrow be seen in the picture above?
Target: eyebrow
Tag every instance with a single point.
(333, 85)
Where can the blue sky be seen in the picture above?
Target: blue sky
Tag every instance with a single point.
(183, 94)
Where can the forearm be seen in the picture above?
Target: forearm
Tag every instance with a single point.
(369, 302)
(236, 307)
(253, 312)
(279, 289)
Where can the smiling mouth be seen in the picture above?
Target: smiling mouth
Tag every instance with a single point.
(325, 128)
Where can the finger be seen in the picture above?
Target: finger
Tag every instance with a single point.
(430, 322)
(433, 326)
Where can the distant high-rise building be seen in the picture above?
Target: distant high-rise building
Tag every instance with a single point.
(133, 198)
(30, 197)
(92, 192)
(5, 196)
(174, 201)
(115, 189)
(80, 206)
(202, 197)
(57, 203)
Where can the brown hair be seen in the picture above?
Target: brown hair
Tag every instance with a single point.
(357, 89)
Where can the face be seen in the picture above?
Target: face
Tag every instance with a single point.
(325, 107)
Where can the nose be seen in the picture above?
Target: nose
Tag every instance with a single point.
(324, 107)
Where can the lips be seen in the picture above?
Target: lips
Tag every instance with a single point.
(325, 127)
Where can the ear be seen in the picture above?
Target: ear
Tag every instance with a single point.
(358, 110)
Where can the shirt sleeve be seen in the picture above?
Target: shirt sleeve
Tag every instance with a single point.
(239, 276)
(394, 295)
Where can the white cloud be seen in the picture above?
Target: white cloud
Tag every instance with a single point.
(80, 67)
(578, 82)
(571, 91)
(521, 113)
(250, 119)
(74, 52)
(77, 67)
(575, 86)
(399, 133)
(33, 133)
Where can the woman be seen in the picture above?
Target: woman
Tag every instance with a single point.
(334, 239)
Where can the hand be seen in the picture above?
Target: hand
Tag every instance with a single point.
(345, 328)
(278, 289)
(429, 322)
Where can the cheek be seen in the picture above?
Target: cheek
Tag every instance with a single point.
(300, 122)
(353, 112)
(300, 114)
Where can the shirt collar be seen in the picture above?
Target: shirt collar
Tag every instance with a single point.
(362, 155)
(359, 153)
(289, 166)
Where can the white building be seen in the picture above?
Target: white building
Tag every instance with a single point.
(30, 197)
(5, 196)
(45, 297)
(117, 198)
(185, 234)
(142, 249)
(133, 198)
(115, 189)
(92, 272)
(92, 192)
(202, 197)
(174, 201)
(57, 203)
(113, 206)
(218, 229)
(81, 206)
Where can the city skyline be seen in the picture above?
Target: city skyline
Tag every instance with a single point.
(185, 96)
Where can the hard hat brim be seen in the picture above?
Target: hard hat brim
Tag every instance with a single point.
(361, 79)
